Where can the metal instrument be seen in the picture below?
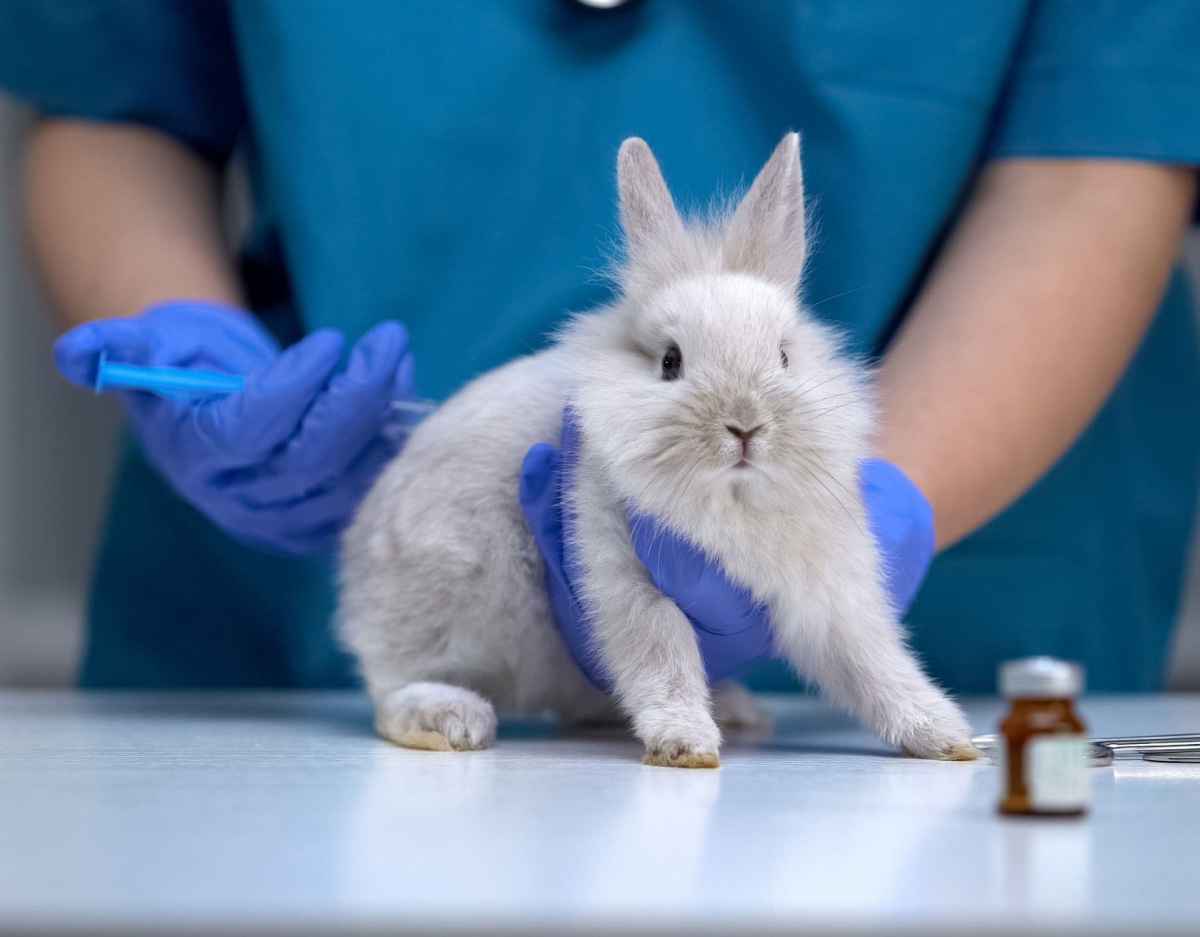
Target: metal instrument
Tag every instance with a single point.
(1175, 749)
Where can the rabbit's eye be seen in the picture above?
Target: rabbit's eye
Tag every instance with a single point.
(783, 357)
(672, 364)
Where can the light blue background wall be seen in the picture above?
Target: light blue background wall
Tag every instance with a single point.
(56, 449)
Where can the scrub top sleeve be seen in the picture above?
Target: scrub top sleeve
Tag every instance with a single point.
(166, 64)
(1104, 78)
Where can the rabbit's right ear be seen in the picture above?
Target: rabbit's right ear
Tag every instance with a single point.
(654, 232)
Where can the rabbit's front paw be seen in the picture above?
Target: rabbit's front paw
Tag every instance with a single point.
(940, 732)
(681, 743)
(436, 717)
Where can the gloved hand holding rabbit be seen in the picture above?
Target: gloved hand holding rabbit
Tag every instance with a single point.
(702, 399)
(733, 629)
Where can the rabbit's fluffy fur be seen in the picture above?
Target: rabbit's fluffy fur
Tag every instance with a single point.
(442, 587)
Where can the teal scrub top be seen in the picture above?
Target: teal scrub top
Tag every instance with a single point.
(450, 164)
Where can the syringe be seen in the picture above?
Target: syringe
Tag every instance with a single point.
(196, 384)
(174, 383)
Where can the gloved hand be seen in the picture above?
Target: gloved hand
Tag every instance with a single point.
(731, 629)
(283, 463)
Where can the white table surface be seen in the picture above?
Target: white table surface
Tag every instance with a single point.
(250, 813)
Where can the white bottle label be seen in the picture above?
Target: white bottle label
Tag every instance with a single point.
(1056, 772)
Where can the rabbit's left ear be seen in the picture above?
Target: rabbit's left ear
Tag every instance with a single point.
(766, 235)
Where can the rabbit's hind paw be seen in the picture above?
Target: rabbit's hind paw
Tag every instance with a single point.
(436, 717)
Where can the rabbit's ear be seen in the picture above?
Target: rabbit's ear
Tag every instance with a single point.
(766, 235)
(653, 229)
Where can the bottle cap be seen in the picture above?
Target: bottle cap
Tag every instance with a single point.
(1041, 677)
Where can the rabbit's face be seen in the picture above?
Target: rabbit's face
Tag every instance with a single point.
(718, 352)
(714, 382)
(725, 387)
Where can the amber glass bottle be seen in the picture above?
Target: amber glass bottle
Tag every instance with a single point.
(1044, 747)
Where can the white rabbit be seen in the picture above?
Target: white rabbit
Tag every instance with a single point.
(707, 397)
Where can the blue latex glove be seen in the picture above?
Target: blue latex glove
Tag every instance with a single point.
(283, 463)
(731, 629)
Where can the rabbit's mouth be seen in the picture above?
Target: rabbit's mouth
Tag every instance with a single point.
(747, 467)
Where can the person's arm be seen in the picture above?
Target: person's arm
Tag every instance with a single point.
(126, 224)
(1029, 317)
(121, 217)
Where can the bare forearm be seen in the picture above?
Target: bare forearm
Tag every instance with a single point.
(121, 217)
(1027, 322)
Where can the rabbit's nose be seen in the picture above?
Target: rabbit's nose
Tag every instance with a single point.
(743, 434)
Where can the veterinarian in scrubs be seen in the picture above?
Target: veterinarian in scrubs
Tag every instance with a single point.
(998, 193)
